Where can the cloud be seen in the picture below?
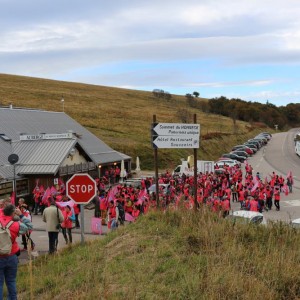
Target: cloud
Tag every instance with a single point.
(230, 84)
(76, 40)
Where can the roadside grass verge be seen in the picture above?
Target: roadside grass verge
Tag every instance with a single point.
(174, 255)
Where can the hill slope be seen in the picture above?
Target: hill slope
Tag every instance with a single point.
(176, 255)
(122, 117)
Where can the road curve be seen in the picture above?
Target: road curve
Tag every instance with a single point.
(280, 154)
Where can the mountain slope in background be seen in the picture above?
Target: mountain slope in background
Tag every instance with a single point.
(122, 118)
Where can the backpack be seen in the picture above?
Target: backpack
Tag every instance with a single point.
(5, 239)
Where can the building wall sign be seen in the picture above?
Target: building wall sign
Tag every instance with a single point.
(46, 136)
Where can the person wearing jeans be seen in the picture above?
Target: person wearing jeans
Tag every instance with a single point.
(9, 263)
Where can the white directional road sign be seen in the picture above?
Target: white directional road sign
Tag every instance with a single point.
(174, 141)
(174, 135)
(176, 129)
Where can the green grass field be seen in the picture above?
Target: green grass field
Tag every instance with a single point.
(122, 118)
(174, 255)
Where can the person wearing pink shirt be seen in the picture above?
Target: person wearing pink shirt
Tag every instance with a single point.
(67, 224)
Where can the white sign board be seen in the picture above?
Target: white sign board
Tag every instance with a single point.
(175, 135)
(45, 136)
(180, 141)
(176, 129)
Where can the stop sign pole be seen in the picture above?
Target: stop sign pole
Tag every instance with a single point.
(81, 188)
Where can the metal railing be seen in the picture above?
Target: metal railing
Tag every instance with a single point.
(77, 168)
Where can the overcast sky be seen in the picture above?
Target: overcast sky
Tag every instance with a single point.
(248, 49)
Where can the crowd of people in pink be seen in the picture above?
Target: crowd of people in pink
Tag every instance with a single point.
(217, 190)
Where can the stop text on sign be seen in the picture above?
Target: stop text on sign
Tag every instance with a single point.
(81, 188)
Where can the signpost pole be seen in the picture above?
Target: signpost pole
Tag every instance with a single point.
(82, 223)
(195, 172)
(175, 136)
(156, 170)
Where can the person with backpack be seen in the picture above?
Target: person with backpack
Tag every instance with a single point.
(10, 229)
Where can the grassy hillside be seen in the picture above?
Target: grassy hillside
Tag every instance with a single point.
(177, 255)
(122, 117)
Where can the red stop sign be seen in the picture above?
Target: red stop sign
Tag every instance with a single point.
(81, 188)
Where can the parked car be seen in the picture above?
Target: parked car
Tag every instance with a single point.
(247, 217)
(296, 223)
(252, 147)
(135, 182)
(164, 187)
(259, 142)
(240, 153)
(255, 143)
(266, 135)
(219, 171)
(234, 156)
(228, 162)
(262, 140)
(243, 148)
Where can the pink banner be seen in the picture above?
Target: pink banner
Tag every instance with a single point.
(47, 194)
(112, 192)
(129, 217)
(71, 203)
(285, 189)
(254, 188)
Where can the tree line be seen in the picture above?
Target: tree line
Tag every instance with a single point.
(238, 109)
(248, 111)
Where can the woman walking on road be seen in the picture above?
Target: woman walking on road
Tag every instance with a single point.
(66, 225)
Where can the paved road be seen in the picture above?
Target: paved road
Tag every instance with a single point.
(279, 156)
(40, 236)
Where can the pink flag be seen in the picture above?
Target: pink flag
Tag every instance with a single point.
(13, 198)
(71, 203)
(62, 185)
(46, 195)
(285, 189)
(255, 186)
(141, 196)
(129, 217)
(53, 191)
(112, 192)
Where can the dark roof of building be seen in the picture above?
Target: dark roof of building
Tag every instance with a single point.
(16, 122)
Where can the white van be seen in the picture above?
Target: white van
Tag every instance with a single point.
(202, 167)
